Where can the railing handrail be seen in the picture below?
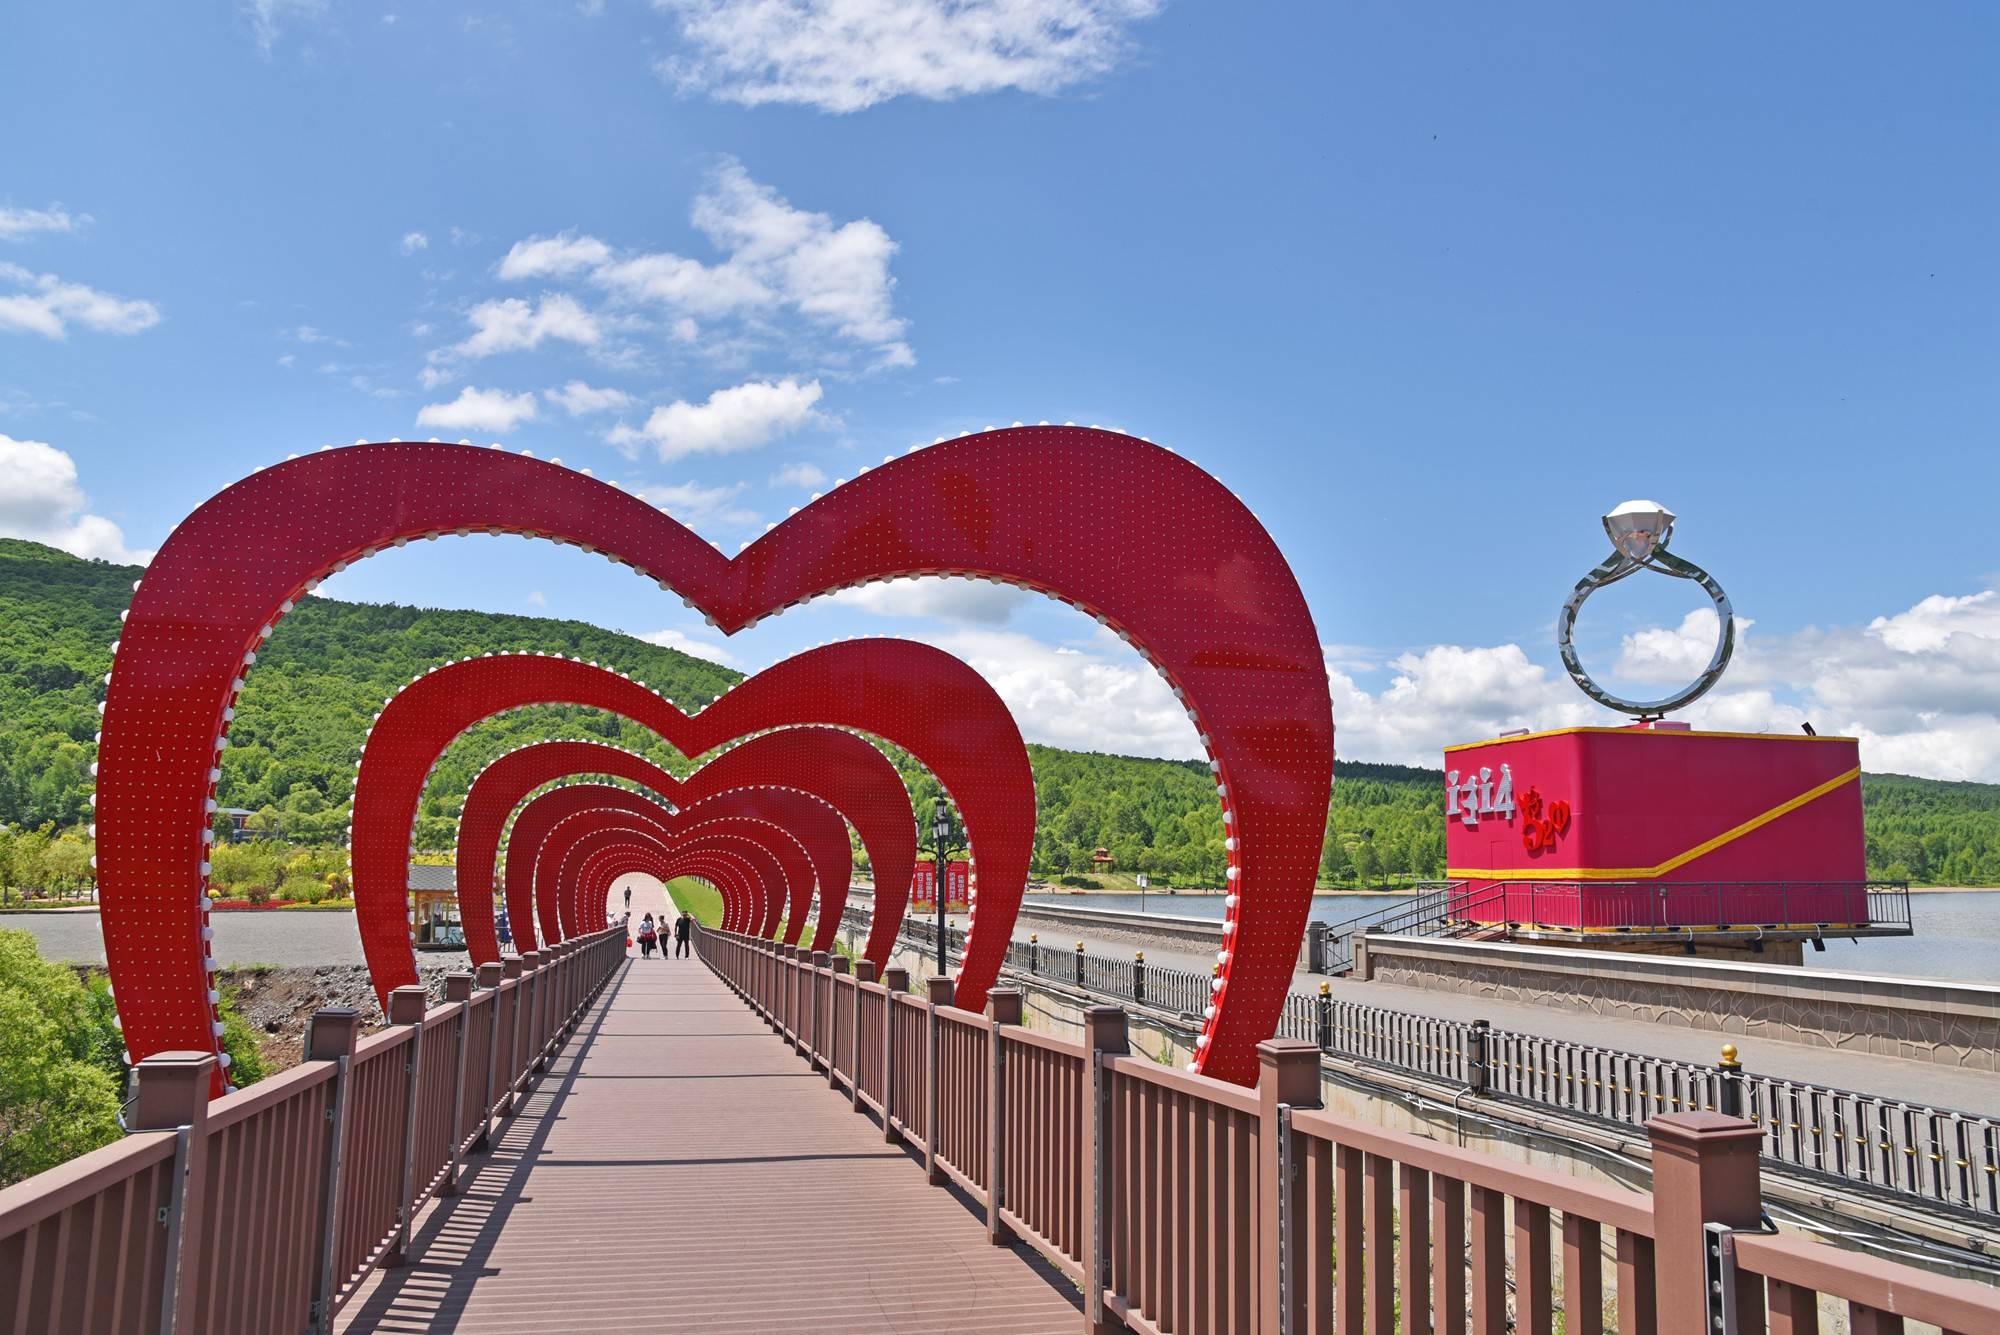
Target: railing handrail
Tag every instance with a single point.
(328, 1197)
(1551, 1083)
(1133, 1178)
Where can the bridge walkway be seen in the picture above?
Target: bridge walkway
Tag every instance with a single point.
(679, 1170)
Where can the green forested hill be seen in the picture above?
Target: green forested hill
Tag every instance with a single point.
(326, 671)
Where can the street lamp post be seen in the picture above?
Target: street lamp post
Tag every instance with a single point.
(941, 840)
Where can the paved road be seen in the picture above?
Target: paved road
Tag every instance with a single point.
(287, 936)
(680, 1169)
(1974, 1091)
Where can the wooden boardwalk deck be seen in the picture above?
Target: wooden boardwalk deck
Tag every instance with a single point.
(679, 1170)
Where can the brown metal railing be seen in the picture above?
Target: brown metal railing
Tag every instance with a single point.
(262, 1210)
(1182, 1204)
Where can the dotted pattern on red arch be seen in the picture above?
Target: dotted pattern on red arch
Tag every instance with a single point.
(834, 767)
(1129, 532)
(716, 869)
(549, 824)
(643, 849)
(917, 697)
(555, 865)
(740, 859)
(764, 840)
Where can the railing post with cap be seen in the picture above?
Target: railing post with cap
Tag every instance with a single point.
(821, 999)
(837, 969)
(864, 973)
(1139, 976)
(1729, 1083)
(1003, 1008)
(330, 1037)
(172, 1095)
(406, 1007)
(1287, 1078)
(1323, 1013)
(1705, 1171)
(895, 982)
(1479, 1055)
(529, 989)
(457, 988)
(937, 992)
(1079, 965)
(488, 978)
(1104, 1037)
(516, 969)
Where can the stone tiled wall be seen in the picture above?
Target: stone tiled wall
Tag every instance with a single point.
(1952, 1024)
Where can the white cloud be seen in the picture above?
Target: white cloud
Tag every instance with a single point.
(1674, 657)
(18, 224)
(50, 305)
(777, 260)
(967, 601)
(413, 242)
(479, 410)
(536, 598)
(1082, 698)
(514, 325)
(693, 504)
(1935, 622)
(741, 417)
(433, 376)
(688, 644)
(576, 398)
(799, 475)
(844, 55)
(305, 333)
(42, 501)
(268, 17)
(1449, 693)
(553, 256)
(1919, 688)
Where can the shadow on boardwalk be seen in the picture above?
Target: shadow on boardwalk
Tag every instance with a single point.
(679, 1170)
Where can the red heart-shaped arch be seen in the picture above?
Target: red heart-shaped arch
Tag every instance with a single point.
(1129, 532)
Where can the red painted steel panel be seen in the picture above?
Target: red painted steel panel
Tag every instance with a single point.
(730, 875)
(1170, 559)
(918, 697)
(1767, 826)
(556, 866)
(833, 766)
(551, 823)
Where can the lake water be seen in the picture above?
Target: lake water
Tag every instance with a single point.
(1957, 936)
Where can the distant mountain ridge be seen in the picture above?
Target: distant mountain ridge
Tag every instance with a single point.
(324, 674)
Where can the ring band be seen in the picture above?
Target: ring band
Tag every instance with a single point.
(1616, 567)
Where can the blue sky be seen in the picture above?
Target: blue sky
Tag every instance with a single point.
(1430, 287)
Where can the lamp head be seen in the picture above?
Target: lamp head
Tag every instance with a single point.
(1639, 528)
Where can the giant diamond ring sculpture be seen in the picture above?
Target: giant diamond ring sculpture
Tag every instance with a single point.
(1639, 532)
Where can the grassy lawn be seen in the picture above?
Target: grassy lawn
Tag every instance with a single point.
(693, 897)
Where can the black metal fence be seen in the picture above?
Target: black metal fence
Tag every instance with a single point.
(1937, 1157)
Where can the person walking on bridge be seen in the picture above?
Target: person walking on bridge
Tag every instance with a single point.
(648, 935)
(683, 928)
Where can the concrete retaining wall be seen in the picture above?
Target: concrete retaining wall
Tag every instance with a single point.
(1951, 1024)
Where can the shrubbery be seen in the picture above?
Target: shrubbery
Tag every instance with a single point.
(62, 1069)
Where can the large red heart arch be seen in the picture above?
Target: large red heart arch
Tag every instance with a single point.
(918, 697)
(622, 859)
(815, 854)
(765, 844)
(760, 816)
(836, 767)
(1168, 557)
(542, 819)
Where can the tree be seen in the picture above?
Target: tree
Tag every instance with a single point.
(56, 1099)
